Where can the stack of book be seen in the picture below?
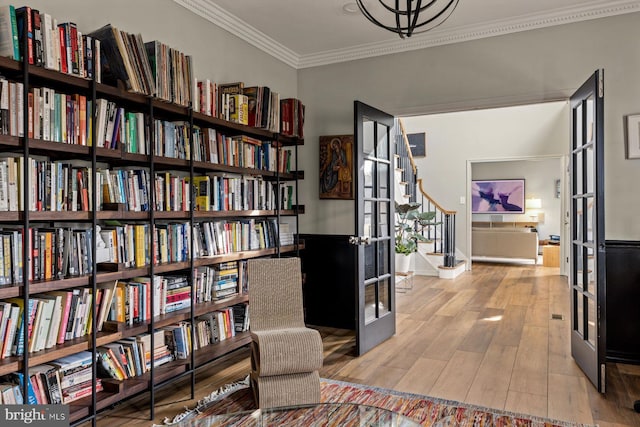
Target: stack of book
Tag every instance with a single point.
(75, 375)
(217, 282)
(61, 47)
(223, 237)
(292, 117)
(52, 115)
(126, 244)
(129, 187)
(264, 107)
(256, 106)
(55, 253)
(131, 357)
(172, 192)
(56, 186)
(172, 139)
(178, 339)
(241, 317)
(176, 294)
(173, 244)
(124, 58)
(10, 394)
(172, 72)
(205, 97)
(53, 318)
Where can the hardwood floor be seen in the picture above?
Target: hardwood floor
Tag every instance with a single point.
(486, 338)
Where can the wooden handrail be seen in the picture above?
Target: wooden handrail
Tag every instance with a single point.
(406, 143)
(436, 204)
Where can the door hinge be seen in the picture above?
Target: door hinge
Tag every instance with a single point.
(601, 83)
(603, 382)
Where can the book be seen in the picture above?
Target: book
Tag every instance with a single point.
(67, 363)
(114, 59)
(9, 45)
(224, 90)
(108, 289)
(10, 331)
(66, 298)
(24, 19)
(202, 191)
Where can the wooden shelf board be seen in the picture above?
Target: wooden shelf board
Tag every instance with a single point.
(13, 364)
(170, 162)
(10, 141)
(231, 128)
(171, 214)
(134, 157)
(80, 83)
(211, 352)
(108, 153)
(123, 215)
(233, 214)
(111, 91)
(59, 147)
(198, 310)
(167, 107)
(174, 266)
(81, 407)
(289, 140)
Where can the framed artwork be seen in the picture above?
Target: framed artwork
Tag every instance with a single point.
(505, 196)
(417, 143)
(336, 167)
(633, 136)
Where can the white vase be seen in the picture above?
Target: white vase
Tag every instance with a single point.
(403, 263)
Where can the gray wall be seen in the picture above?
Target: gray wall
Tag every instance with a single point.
(530, 66)
(539, 176)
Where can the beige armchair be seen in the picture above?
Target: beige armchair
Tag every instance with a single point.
(285, 354)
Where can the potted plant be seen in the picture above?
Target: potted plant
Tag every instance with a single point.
(408, 232)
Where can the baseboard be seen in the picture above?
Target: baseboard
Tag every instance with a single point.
(451, 272)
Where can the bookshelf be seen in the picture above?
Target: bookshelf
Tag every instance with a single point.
(98, 215)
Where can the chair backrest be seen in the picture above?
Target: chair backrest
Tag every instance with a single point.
(275, 293)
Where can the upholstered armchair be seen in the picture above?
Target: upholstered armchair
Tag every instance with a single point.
(285, 354)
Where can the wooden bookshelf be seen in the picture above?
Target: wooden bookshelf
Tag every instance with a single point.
(151, 109)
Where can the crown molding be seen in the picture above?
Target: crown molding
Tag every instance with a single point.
(468, 33)
(239, 28)
(218, 16)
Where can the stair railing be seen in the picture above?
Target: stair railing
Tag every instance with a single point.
(406, 162)
(443, 233)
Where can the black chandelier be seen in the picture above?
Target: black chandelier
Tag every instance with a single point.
(417, 17)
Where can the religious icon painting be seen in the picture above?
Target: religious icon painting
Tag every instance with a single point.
(336, 167)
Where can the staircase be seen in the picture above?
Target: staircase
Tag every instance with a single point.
(437, 257)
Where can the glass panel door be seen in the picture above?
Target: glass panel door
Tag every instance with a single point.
(375, 210)
(587, 274)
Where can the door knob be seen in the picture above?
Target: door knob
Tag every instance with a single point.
(359, 240)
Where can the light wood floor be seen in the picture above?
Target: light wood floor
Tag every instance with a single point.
(486, 338)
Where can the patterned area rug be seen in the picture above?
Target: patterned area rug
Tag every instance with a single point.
(427, 411)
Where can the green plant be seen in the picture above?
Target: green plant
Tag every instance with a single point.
(409, 225)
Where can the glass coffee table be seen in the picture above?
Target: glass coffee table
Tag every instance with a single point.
(320, 415)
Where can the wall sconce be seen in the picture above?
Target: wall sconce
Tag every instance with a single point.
(533, 207)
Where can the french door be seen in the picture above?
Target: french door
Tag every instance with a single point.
(374, 226)
(587, 256)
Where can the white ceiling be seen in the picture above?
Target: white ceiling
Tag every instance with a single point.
(305, 33)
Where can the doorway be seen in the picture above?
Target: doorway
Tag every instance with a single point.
(539, 195)
(510, 133)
